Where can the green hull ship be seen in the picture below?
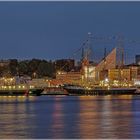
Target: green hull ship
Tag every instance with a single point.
(21, 92)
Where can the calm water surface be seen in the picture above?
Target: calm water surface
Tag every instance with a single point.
(70, 117)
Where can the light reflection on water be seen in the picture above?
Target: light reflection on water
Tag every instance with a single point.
(70, 117)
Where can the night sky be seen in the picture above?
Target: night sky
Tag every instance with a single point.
(55, 30)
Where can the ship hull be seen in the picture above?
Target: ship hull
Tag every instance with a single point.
(30, 92)
(116, 91)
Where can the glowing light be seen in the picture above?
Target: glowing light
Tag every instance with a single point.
(11, 79)
(106, 80)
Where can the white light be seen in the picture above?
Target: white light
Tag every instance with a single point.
(106, 80)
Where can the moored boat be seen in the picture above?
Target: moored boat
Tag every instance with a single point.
(9, 87)
(21, 92)
(78, 90)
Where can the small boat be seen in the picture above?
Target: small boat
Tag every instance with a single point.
(79, 90)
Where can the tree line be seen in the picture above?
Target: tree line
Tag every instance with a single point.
(34, 68)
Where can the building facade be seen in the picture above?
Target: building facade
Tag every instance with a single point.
(109, 62)
(119, 74)
(69, 77)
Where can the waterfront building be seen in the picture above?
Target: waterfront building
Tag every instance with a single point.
(101, 75)
(41, 82)
(134, 71)
(138, 76)
(109, 62)
(55, 83)
(69, 77)
(119, 74)
(89, 73)
(108, 68)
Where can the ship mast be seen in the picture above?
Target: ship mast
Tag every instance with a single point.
(86, 53)
(120, 47)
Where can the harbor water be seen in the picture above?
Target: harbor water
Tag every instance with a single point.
(70, 117)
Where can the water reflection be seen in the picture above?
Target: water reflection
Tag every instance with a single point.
(70, 117)
(103, 118)
(136, 117)
(88, 126)
(117, 113)
(57, 125)
(13, 118)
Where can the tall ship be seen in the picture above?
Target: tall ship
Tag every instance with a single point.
(109, 76)
(10, 87)
(79, 90)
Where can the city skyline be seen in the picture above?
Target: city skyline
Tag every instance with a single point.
(55, 30)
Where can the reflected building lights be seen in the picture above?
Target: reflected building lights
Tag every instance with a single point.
(58, 120)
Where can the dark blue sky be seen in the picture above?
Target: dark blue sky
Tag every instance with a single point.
(51, 30)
